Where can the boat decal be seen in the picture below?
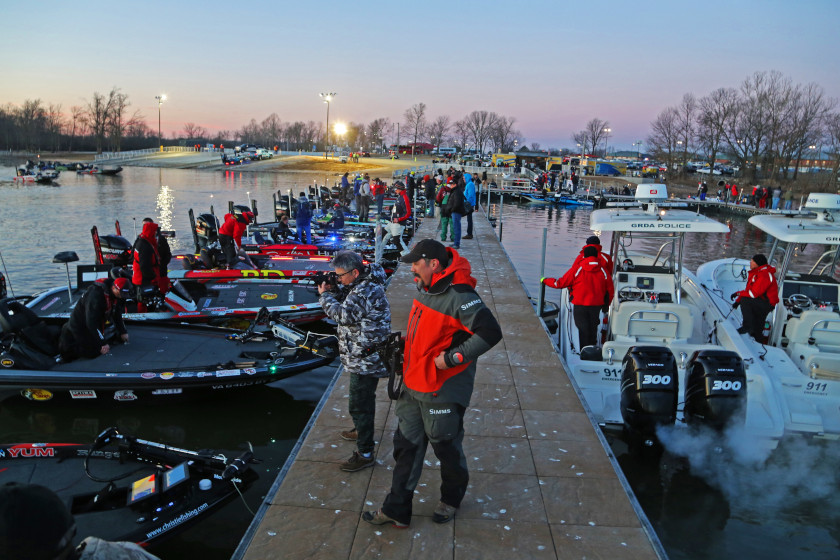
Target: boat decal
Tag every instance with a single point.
(167, 375)
(125, 395)
(268, 296)
(186, 516)
(82, 394)
(232, 385)
(249, 371)
(37, 394)
(7, 362)
(215, 309)
(262, 273)
(243, 293)
(240, 300)
(33, 450)
(188, 313)
(49, 303)
(186, 374)
(111, 375)
(300, 273)
(173, 391)
(148, 375)
(227, 372)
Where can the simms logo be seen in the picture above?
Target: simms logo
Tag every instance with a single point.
(470, 304)
(441, 411)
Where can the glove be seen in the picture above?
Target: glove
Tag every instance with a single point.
(605, 309)
(736, 304)
(734, 295)
(542, 280)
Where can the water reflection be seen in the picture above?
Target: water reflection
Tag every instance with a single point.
(165, 204)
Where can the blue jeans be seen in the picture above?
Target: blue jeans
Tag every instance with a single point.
(301, 228)
(788, 204)
(380, 201)
(456, 230)
(775, 203)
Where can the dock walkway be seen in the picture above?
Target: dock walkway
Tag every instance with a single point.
(541, 483)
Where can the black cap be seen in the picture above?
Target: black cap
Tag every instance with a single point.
(34, 522)
(593, 240)
(760, 259)
(427, 249)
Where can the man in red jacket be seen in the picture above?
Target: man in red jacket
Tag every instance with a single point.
(759, 297)
(230, 234)
(448, 329)
(605, 260)
(590, 289)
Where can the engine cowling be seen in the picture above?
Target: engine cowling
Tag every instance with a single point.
(116, 250)
(715, 389)
(206, 229)
(649, 389)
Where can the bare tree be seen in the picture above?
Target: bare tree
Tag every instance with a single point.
(461, 133)
(832, 144)
(439, 130)
(480, 125)
(250, 132)
(76, 125)
(31, 120)
(503, 135)
(581, 138)
(54, 125)
(535, 146)
(715, 116)
(97, 115)
(194, 133)
(415, 122)
(665, 132)
(377, 129)
(595, 131)
(687, 124)
(271, 129)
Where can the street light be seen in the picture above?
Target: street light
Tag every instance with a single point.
(811, 161)
(160, 99)
(606, 140)
(340, 129)
(679, 148)
(327, 97)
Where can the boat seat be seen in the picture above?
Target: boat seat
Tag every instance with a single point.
(641, 321)
(815, 328)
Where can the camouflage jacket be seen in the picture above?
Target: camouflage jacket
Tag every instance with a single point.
(363, 316)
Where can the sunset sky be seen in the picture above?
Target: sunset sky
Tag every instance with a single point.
(551, 64)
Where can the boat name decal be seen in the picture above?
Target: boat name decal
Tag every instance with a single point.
(173, 391)
(125, 395)
(832, 238)
(15, 452)
(661, 225)
(37, 394)
(83, 394)
(232, 385)
(7, 362)
(262, 273)
(227, 372)
(148, 375)
(186, 516)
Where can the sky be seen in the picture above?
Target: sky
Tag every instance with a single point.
(553, 65)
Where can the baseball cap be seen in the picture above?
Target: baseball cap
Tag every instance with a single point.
(34, 522)
(427, 249)
(399, 185)
(122, 285)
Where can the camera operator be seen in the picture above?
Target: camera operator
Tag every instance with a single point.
(358, 305)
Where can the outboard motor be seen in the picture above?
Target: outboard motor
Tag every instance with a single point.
(206, 230)
(715, 389)
(116, 250)
(649, 389)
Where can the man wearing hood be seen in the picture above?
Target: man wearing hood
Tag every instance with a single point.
(595, 241)
(149, 268)
(590, 289)
(759, 297)
(303, 219)
(449, 327)
(360, 309)
(469, 196)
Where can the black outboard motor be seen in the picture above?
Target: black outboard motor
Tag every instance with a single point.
(715, 389)
(206, 230)
(649, 389)
(116, 250)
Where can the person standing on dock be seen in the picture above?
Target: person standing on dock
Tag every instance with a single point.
(303, 219)
(455, 205)
(429, 185)
(788, 197)
(777, 197)
(591, 290)
(449, 327)
(469, 196)
(442, 199)
(360, 309)
(758, 298)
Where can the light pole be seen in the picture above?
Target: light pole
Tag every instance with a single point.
(811, 161)
(679, 147)
(606, 140)
(433, 144)
(327, 97)
(160, 99)
(340, 129)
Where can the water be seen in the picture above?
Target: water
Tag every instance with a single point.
(719, 506)
(781, 508)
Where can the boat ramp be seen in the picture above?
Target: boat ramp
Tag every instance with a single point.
(543, 481)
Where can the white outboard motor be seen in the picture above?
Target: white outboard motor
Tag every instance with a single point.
(649, 390)
(827, 206)
(715, 389)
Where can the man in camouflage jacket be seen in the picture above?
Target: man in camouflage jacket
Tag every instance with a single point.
(359, 307)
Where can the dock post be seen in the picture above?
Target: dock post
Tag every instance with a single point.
(501, 211)
(541, 299)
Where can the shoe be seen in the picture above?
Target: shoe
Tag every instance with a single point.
(742, 330)
(349, 435)
(467, 237)
(455, 246)
(356, 462)
(379, 518)
(443, 513)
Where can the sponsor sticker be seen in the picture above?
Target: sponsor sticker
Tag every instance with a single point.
(148, 375)
(227, 372)
(268, 296)
(186, 374)
(125, 395)
(49, 303)
(249, 371)
(174, 391)
(167, 375)
(83, 394)
(7, 362)
(37, 394)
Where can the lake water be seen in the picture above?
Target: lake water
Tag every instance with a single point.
(784, 507)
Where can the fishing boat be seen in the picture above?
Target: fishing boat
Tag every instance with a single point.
(100, 170)
(800, 350)
(123, 488)
(160, 361)
(658, 365)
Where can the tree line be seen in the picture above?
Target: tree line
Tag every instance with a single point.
(766, 126)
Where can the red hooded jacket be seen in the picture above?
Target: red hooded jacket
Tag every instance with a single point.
(605, 259)
(234, 228)
(589, 283)
(761, 283)
(146, 267)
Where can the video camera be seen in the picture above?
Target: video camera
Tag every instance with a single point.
(330, 278)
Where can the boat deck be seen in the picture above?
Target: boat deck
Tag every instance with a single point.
(542, 482)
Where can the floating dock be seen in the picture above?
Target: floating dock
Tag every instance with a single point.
(543, 482)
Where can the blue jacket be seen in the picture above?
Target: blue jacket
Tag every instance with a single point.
(357, 184)
(469, 190)
(304, 212)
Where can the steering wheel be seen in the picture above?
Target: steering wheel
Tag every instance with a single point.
(800, 300)
(630, 293)
(626, 265)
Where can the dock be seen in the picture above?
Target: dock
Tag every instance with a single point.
(543, 482)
